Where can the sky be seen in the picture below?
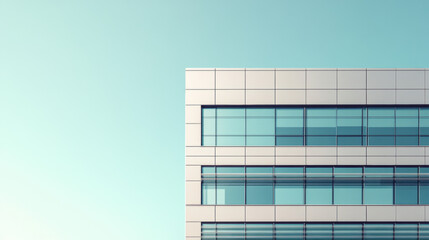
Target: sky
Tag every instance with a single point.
(92, 96)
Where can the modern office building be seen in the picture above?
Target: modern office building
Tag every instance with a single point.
(307, 154)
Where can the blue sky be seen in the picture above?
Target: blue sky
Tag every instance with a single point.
(92, 96)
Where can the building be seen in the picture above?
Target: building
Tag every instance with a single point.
(307, 154)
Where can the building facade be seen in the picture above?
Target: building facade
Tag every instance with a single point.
(307, 154)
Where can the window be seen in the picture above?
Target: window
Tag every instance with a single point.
(378, 185)
(315, 126)
(289, 185)
(313, 231)
(315, 185)
(230, 186)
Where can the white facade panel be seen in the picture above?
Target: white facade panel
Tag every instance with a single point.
(260, 79)
(230, 79)
(290, 79)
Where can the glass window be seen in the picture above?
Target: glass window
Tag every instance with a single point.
(407, 121)
(406, 185)
(321, 140)
(407, 140)
(230, 186)
(378, 231)
(424, 231)
(260, 121)
(378, 185)
(424, 121)
(230, 126)
(289, 121)
(290, 141)
(424, 185)
(228, 231)
(319, 185)
(347, 231)
(289, 231)
(350, 141)
(349, 121)
(321, 121)
(406, 231)
(289, 185)
(208, 186)
(347, 185)
(208, 231)
(319, 231)
(381, 121)
(230, 141)
(259, 231)
(259, 187)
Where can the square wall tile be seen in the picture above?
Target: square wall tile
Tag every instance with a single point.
(260, 79)
(193, 134)
(381, 97)
(193, 173)
(257, 97)
(230, 151)
(230, 160)
(290, 160)
(321, 213)
(230, 213)
(199, 97)
(352, 213)
(290, 213)
(381, 213)
(200, 80)
(193, 192)
(380, 160)
(410, 96)
(410, 213)
(290, 79)
(199, 151)
(321, 96)
(200, 213)
(321, 79)
(351, 96)
(260, 213)
(352, 79)
(322, 160)
(290, 96)
(200, 161)
(260, 151)
(381, 79)
(193, 229)
(192, 114)
(260, 161)
(230, 79)
(351, 160)
(291, 151)
(410, 79)
(230, 97)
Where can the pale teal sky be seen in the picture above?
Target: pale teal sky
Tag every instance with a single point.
(92, 96)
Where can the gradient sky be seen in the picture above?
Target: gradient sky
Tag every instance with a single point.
(92, 96)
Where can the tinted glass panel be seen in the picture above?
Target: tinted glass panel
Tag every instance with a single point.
(259, 187)
(378, 185)
(319, 185)
(347, 185)
(289, 186)
(406, 185)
